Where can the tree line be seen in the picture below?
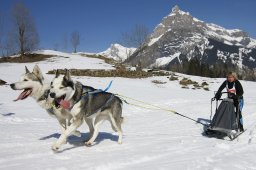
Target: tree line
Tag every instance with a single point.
(195, 67)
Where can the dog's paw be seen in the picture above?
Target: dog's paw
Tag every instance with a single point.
(119, 142)
(55, 147)
(88, 143)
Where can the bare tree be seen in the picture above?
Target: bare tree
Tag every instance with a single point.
(25, 31)
(56, 46)
(75, 40)
(65, 42)
(135, 37)
(9, 44)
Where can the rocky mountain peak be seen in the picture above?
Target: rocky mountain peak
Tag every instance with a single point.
(118, 52)
(181, 37)
(175, 9)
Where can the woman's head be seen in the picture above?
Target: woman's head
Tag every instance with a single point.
(231, 77)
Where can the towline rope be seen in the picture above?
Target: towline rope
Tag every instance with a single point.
(151, 106)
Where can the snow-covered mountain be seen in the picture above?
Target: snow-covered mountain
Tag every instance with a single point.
(118, 52)
(180, 37)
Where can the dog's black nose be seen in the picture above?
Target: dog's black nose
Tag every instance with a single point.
(12, 86)
(52, 95)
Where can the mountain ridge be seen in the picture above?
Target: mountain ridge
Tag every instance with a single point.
(117, 52)
(181, 37)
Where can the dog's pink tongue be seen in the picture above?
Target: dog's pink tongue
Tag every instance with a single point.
(21, 96)
(65, 104)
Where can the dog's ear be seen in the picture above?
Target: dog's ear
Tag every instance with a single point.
(57, 73)
(67, 74)
(37, 72)
(67, 82)
(27, 71)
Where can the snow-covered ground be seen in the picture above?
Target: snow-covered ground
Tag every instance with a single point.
(153, 139)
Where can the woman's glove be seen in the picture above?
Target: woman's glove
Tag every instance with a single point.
(235, 99)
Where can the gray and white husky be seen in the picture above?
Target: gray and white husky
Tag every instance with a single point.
(83, 104)
(34, 85)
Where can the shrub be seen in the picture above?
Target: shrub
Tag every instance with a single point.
(26, 58)
(186, 82)
(158, 82)
(173, 78)
(110, 73)
(206, 89)
(205, 84)
(2, 82)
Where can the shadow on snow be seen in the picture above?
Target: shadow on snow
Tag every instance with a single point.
(80, 141)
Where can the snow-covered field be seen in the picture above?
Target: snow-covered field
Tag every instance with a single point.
(153, 139)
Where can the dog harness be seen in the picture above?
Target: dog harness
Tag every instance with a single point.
(99, 90)
(86, 94)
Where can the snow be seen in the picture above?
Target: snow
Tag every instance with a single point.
(132, 69)
(60, 60)
(171, 14)
(252, 43)
(165, 60)
(118, 52)
(153, 139)
(227, 35)
(222, 56)
(240, 60)
(13, 56)
(215, 27)
(227, 42)
(160, 25)
(183, 13)
(154, 40)
(252, 59)
(196, 20)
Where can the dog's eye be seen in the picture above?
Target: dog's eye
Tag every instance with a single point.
(52, 87)
(25, 80)
(62, 87)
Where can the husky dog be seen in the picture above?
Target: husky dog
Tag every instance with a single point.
(93, 107)
(34, 85)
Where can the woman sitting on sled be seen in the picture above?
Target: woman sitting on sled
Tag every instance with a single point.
(235, 92)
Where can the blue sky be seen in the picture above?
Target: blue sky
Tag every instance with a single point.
(101, 22)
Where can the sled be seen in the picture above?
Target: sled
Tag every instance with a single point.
(225, 122)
